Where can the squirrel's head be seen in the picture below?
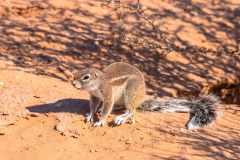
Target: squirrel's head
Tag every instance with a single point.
(87, 79)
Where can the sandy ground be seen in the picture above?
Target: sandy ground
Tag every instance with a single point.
(41, 115)
(42, 118)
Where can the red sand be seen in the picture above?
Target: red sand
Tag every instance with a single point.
(41, 114)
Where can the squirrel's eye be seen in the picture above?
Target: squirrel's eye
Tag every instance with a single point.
(86, 77)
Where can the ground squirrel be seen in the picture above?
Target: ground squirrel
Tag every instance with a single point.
(122, 83)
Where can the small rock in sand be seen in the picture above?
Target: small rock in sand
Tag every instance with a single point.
(25, 113)
(131, 121)
(2, 132)
(6, 113)
(74, 136)
(34, 114)
(6, 122)
(149, 132)
(128, 141)
(36, 96)
(22, 114)
(1, 83)
(60, 127)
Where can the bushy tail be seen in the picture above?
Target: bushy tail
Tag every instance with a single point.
(203, 111)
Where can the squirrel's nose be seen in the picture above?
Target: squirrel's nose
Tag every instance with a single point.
(74, 82)
(77, 84)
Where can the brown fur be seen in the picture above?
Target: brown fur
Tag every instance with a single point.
(118, 83)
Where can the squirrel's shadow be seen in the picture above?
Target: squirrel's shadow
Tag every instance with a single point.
(79, 106)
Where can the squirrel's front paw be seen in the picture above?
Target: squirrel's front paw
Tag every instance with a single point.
(99, 123)
(89, 118)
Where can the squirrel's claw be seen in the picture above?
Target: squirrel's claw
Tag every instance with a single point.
(119, 120)
(89, 118)
(122, 118)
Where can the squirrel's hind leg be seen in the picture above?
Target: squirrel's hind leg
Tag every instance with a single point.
(133, 97)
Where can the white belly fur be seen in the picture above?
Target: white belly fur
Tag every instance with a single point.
(118, 94)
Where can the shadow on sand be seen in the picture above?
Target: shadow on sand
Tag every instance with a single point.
(79, 106)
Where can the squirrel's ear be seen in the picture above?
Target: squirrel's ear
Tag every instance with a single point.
(97, 74)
